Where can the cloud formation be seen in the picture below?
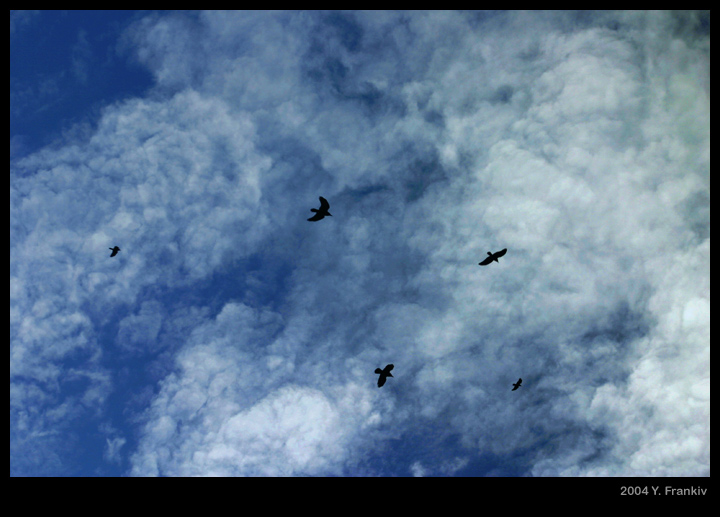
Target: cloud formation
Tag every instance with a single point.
(231, 337)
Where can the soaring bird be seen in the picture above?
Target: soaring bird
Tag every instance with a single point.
(384, 374)
(517, 384)
(493, 256)
(114, 251)
(319, 214)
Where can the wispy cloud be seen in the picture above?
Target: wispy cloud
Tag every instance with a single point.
(20, 18)
(241, 339)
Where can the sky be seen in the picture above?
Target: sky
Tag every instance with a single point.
(232, 337)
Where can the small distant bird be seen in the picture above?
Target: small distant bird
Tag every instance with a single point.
(114, 251)
(517, 384)
(384, 374)
(493, 256)
(319, 214)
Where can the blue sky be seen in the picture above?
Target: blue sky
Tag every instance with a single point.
(231, 337)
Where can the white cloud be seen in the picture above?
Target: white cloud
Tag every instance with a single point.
(232, 414)
(112, 453)
(580, 145)
(150, 199)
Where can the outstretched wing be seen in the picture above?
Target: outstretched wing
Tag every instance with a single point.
(519, 381)
(324, 205)
(316, 217)
(486, 261)
(381, 380)
(500, 253)
(389, 368)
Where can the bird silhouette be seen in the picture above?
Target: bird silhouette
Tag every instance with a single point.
(319, 214)
(384, 374)
(517, 384)
(114, 251)
(493, 256)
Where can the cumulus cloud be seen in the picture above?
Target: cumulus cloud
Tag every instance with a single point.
(580, 144)
(230, 408)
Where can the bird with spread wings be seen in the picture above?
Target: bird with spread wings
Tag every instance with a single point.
(493, 256)
(384, 374)
(320, 214)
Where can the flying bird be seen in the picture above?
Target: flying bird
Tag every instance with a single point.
(517, 384)
(319, 214)
(493, 256)
(384, 374)
(114, 251)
